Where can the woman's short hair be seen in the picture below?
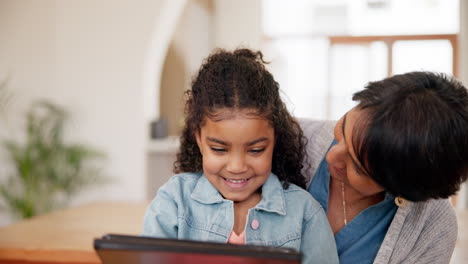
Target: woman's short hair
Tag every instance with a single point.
(413, 137)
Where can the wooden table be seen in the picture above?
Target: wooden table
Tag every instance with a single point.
(66, 236)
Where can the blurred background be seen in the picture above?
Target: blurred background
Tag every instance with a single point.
(118, 69)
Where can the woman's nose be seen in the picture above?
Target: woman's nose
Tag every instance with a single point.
(236, 164)
(337, 156)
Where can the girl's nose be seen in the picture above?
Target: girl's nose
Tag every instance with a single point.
(337, 156)
(236, 164)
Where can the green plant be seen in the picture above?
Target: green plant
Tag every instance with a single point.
(47, 171)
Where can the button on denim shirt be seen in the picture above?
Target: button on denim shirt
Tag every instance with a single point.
(188, 206)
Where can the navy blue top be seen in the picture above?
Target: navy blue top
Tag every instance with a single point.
(360, 240)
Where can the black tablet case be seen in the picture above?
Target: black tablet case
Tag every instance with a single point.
(123, 249)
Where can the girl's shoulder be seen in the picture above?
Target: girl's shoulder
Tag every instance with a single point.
(181, 183)
(298, 198)
(186, 176)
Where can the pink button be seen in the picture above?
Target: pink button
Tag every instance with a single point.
(255, 224)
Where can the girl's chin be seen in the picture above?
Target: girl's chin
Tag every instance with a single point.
(234, 198)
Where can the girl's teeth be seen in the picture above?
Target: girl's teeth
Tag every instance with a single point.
(235, 181)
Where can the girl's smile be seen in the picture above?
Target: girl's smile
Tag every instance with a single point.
(236, 184)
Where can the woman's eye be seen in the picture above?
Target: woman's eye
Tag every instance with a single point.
(218, 150)
(257, 151)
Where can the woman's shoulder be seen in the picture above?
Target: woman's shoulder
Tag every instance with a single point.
(429, 217)
(430, 232)
(319, 134)
(435, 212)
(315, 124)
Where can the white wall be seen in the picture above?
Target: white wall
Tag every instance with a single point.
(238, 23)
(89, 56)
(463, 42)
(165, 22)
(193, 36)
(463, 66)
(102, 60)
(191, 42)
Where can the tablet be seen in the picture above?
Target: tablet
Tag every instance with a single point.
(123, 249)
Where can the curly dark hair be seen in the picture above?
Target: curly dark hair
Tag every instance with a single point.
(239, 80)
(415, 141)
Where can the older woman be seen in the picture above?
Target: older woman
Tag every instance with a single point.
(384, 170)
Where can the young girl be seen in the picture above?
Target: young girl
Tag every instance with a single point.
(240, 166)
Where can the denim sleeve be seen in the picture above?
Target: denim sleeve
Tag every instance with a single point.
(318, 243)
(161, 216)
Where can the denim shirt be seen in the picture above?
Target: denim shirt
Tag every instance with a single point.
(188, 206)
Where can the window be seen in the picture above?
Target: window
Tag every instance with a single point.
(324, 50)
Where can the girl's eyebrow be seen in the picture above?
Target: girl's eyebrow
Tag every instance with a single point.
(253, 142)
(215, 140)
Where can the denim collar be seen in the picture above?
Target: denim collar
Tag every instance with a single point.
(273, 199)
(205, 192)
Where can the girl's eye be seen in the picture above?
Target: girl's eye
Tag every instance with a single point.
(257, 151)
(218, 150)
